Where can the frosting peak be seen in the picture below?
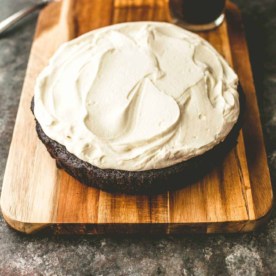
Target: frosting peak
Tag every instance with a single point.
(137, 96)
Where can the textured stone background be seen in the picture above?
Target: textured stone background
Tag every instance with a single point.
(243, 254)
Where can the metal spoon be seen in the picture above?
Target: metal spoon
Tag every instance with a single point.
(11, 20)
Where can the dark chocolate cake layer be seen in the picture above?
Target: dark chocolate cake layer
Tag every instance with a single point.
(141, 182)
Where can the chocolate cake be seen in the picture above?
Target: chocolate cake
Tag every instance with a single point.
(138, 108)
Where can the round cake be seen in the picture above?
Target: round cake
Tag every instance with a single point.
(137, 107)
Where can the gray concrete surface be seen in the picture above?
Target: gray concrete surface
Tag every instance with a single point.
(240, 254)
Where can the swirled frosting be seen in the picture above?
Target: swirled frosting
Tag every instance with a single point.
(137, 96)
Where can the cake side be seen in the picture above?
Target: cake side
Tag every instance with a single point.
(142, 182)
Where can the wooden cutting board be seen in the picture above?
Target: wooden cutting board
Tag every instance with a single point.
(234, 197)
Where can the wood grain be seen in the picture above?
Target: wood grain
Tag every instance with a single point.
(252, 129)
(235, 196)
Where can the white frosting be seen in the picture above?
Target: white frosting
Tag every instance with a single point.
(137, 96)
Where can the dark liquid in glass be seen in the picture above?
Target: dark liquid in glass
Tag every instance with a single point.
(197, 11)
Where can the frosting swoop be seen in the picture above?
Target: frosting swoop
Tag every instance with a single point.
(137, 96)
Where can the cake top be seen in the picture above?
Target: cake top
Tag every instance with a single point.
(137, 96)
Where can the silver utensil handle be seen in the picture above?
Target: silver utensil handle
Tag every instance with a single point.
(11, 20)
